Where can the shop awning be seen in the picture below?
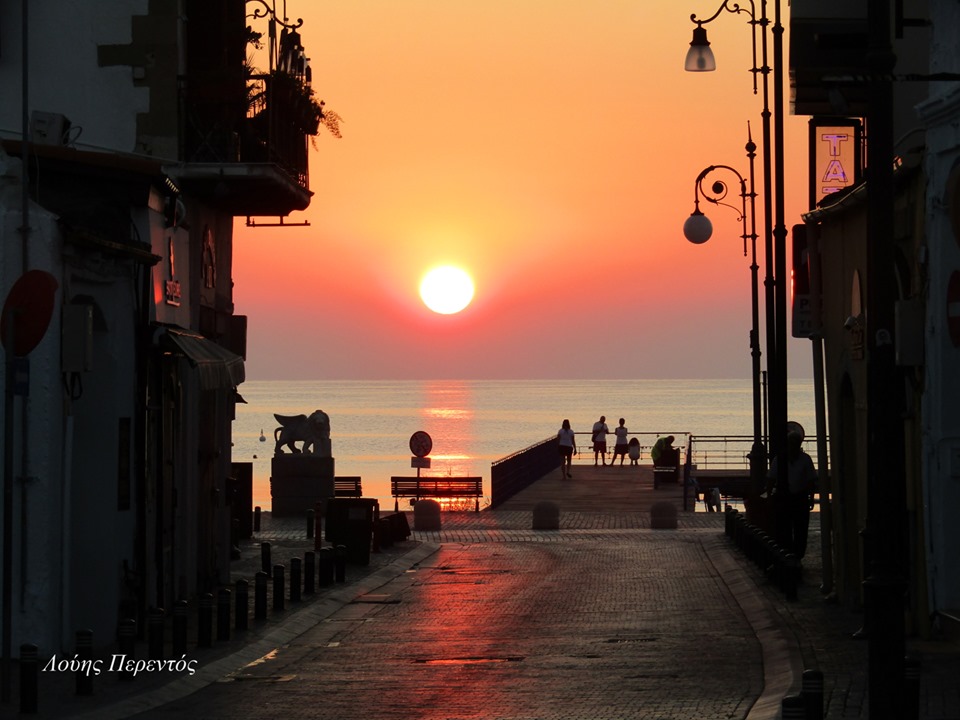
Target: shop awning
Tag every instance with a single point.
(218, 367)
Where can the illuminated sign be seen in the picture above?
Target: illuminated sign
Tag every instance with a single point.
(835, 156)
(172, 284)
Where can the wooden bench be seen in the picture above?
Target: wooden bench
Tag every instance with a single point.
(436, 487)
(731, 484)
(348, 486)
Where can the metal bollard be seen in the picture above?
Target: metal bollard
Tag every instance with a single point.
(310, 518)
(278, 582)
(205, 621)
(295, 579)
(309, 572)
(260, 596)
(793, 707)
(155, 634)
(812, 692)
(223, 614)
(241, 604)
(265, 564)
(377, 536)
(325, 566)
(29, 677)
(911, 688)
(386, 532)
(340, 562)
(127, 640)
(256, 519)
(180, 628)
(84, 674)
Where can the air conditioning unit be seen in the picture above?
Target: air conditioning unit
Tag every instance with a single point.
(48, 128)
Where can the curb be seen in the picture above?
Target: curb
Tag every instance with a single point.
(292, 627)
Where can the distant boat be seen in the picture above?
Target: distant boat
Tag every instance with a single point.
(262, 438)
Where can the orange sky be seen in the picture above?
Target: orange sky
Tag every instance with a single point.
(549, 147)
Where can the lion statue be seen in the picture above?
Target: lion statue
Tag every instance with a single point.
(313, 431)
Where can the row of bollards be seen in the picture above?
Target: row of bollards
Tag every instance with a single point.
(322, 568)
(319, 568)
(781, 567)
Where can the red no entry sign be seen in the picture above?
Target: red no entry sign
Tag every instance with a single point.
(29, 307)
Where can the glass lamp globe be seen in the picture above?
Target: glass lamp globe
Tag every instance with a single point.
(700, 56)
(697, 228)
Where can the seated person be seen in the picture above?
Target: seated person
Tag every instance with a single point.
(664, 454)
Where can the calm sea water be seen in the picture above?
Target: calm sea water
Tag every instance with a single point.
(475, 422)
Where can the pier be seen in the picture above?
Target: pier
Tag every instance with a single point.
(599, 489)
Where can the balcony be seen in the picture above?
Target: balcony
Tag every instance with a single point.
(245, 144)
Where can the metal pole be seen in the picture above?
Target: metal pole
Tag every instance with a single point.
(884, 585)
(758, 453)
(823, 469)
(5, 691)
(768, 253)
(778, 405)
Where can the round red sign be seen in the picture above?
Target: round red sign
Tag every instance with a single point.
(29, 307)
(421, 443)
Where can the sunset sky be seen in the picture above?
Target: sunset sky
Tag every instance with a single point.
(547, 147)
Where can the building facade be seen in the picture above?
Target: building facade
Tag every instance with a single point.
(129, 146)
(830, 80)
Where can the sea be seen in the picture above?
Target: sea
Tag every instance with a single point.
(473, 423)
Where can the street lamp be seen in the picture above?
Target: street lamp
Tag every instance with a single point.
(698, 229)
(700, 59)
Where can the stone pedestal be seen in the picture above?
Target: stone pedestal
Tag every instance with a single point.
(299, 482)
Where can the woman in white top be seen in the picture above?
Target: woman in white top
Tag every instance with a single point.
(621, 447)
(568, 445)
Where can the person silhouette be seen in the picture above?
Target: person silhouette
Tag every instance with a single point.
(567, 442)
(600, 432)
(620, 447)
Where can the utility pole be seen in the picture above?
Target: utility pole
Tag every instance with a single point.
(884, 547)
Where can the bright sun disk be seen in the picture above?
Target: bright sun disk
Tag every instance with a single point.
(446, 289)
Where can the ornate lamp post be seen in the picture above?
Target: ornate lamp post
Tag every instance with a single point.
(700, 59)
(698, 229)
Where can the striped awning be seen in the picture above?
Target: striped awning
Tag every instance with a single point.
(218, 367)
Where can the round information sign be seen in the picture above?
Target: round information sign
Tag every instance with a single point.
(421, 443)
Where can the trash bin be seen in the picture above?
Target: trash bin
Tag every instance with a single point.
(349, 522)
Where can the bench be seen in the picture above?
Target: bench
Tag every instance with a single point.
(729, 484)
(348, 486)
(665, 473)
(436, 487)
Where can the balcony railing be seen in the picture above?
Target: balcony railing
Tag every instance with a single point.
(250, 149)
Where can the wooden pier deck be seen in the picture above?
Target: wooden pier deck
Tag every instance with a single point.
(612, 489)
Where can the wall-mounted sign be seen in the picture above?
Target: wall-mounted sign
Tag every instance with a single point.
(171, 286)
(802, 315)
(835, 156)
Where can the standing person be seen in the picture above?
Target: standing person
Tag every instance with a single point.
(798, 501)
(568, 446)
(620, 448)
(633, 448)
(600, 432)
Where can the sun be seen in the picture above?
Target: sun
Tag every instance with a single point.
(446, 289)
